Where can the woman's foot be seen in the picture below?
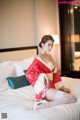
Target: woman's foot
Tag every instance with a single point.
(40, 104)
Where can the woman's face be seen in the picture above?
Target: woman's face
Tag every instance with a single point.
(48, 46)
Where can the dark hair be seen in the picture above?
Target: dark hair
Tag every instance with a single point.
(44, 39)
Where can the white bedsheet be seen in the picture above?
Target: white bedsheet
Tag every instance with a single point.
(18, 104)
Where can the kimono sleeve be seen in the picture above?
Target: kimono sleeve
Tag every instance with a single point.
(33, 73)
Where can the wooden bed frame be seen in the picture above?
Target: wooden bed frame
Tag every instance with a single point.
(19, 53)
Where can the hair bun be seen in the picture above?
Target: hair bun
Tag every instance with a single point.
(40, 44)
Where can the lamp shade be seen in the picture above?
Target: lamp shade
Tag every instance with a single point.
(56, 38)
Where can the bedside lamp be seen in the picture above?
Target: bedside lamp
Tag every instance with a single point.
(56, 38)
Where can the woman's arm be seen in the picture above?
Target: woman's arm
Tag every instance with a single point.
(63, 88)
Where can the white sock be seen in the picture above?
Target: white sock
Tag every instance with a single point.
(58, 95)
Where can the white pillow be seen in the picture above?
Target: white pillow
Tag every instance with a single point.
(11, 69)
(19, 70)
(6, 70)
(4, 85)
(22, 65)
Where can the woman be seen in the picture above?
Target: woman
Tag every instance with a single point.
(44, 77)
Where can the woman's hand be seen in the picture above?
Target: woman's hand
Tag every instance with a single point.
(67, 90)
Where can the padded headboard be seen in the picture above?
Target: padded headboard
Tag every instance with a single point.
(10, 54)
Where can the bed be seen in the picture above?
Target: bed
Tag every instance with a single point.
(16, 101)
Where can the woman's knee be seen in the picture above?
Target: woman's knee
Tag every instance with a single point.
(73, 98)
(70, 98)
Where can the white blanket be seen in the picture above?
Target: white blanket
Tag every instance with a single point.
(18, 104)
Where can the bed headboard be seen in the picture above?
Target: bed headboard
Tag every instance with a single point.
(18, 53)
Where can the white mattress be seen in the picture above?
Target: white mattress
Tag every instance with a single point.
(18, 104)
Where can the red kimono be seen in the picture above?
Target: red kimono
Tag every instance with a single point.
(41, 77)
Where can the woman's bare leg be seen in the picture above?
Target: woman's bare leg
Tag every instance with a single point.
(56, 97)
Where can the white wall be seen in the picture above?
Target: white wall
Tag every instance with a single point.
(46, 15)
(24, 22)
(17, 23)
